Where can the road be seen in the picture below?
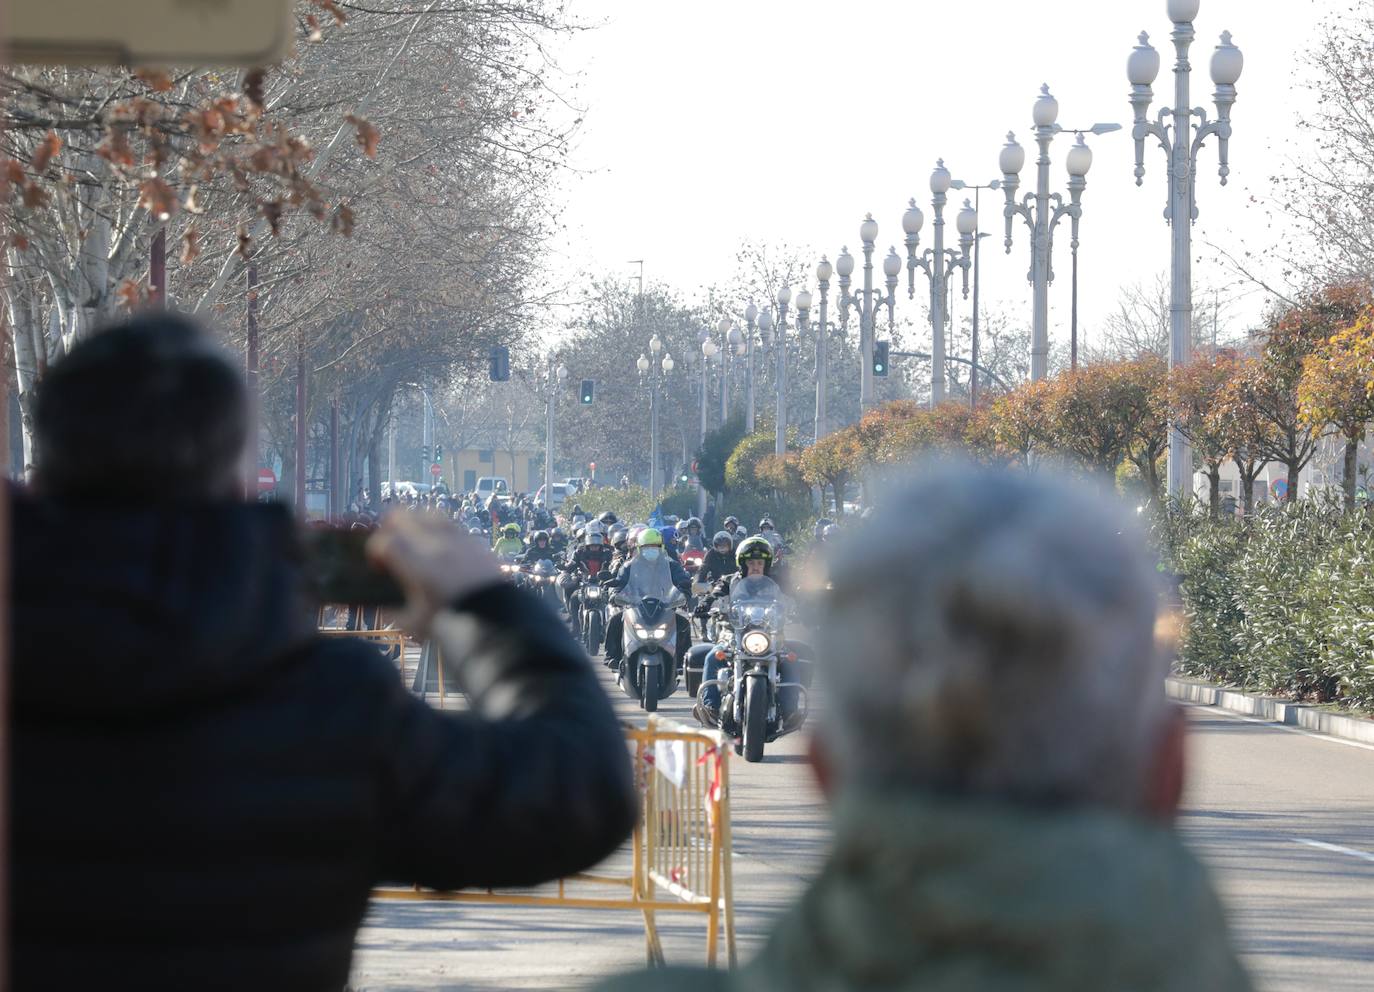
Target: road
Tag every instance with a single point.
(1284, 821)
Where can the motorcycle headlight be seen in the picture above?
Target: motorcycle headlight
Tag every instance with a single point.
(756, 642)
(641, 632)
(661, 632)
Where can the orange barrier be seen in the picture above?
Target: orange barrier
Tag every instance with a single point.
(680, 850)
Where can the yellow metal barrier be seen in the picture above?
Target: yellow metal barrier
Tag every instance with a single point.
(680, 851)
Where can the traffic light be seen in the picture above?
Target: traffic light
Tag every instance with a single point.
(880, 350)
(588, 391)
(500, 364)
(438, 452)
(424, 453)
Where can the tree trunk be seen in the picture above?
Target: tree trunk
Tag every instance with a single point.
(374, 469)
(1294, 469)
(1352, 458)
(1214, 489)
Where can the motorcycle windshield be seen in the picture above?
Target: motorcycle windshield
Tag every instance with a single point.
(649, 580)
(757, 600)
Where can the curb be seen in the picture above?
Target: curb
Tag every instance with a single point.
(1281, 711)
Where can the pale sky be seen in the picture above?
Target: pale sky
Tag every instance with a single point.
(712, 123)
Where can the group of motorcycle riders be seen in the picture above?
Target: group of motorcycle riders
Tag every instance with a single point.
(748, 679)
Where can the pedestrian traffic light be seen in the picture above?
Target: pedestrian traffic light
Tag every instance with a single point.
(880, 350)
(588, 391)
(500, 364)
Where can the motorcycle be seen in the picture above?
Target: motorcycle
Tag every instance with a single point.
(750, 648)
(648, 666)
(591, 605)
(541, 578)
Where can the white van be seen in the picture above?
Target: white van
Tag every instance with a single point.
(561, 491)
(489, 485)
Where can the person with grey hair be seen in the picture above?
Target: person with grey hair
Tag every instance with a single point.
(1002, 763)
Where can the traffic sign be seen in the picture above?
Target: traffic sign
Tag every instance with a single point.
(436, 470)
(267, 480)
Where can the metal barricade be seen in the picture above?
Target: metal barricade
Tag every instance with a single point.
(680, 852)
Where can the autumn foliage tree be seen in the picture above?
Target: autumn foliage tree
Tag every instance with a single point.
(1193, 394)
(1337, 390)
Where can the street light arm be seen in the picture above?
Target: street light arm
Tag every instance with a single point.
(914, 262)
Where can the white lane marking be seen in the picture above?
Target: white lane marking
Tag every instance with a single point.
(1281, 726)
(1334, 848)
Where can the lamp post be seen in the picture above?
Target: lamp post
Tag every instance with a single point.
(1043, 210)
(866, 304)
(708, 352)
(555, 380)
(751, 316)
(733, 348)
(978, 237)
(933, 262)
(650, 369)
(780, 345)
(1181, 141)
(824, 271)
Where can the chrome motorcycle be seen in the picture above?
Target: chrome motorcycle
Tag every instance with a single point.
(648, 665)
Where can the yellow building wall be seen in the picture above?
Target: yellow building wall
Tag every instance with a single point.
(460, 463)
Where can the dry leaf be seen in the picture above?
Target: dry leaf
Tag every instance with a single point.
(190, 246)
(19, 241)
(115, 149)
(244, 243)
(254, 83)
(368, 135)
(34, 195)
(132, 293)
(156, 80)
(45, 152)
(342, 221)
(332, 8)
(272, 210)
(158, 199)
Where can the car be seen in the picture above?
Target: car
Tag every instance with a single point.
(561, 491)
(576, 485)
(488, 485)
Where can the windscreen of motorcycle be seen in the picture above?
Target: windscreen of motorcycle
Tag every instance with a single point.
(649, 580)
(756, 600)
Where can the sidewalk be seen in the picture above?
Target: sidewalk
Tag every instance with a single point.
(1317, 719)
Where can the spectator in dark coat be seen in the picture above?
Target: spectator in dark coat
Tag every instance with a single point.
(205, 790)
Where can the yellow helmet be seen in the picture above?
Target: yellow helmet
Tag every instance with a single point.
(650, 538)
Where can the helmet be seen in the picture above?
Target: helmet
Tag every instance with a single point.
(731, 524)
(474, 530)
(765, 522)
(722, 537)
(633, 536)
(617, 535)
(594, 533)
(830, 531)
(672, 520)
(818, 531)
(559, 534)
(511, 530)
(539, 535)
(693, 522)
(609, 519)
(577, 509)
(741, 533)
(649, 538)
(668, 534)
(754, 549)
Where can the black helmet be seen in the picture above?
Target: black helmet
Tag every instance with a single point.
(539, 535)
(731, 523)
(692, 522)
(723, 537)
(754, 549)
(559, 534)
(577, 509)
(765, 522)
(608, 519)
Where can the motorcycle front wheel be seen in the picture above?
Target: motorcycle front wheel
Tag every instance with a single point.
(648, 687)
(755, 718)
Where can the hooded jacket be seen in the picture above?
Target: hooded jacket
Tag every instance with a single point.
(927, 894)
(205, 791)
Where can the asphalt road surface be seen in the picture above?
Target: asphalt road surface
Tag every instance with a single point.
(1284, 821)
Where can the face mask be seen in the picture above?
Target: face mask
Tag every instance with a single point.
(649, 554)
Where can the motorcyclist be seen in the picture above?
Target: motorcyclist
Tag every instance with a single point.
(585, 564)
(558, 540)
(509, 544)
(755, 559)
(693, 538)
(719, 561)
(818, 530)
(608, 520)
(540, 549)
(651, 568)
(769, 533)
(730, 525)
(669, 535)
(618, 538)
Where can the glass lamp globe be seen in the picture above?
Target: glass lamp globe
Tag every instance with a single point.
(1183, 11)
(1227, 62)
(708, 348)
(1079, 159)
(824, 270)
(734, 336)
(562, 373)
(913, 220)
(1013, 157)
(1142, 67)
(804, 301)
(642, 364)
(892, 265)
(940, 179)
(844, 265)
(1046, 109)
(655, 344)
(784, 296)
(668, 362)
(751, 313)
(868, 230)
(967, 221)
